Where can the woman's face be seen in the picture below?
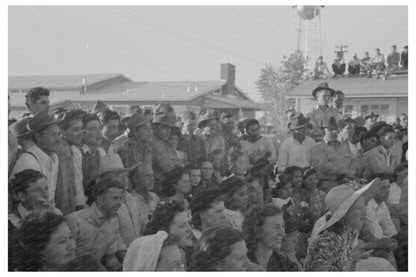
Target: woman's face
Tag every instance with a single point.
(311, 182)
(207, 170)
(297, 179)
(356, 214)
(255, 193)
(237, 259)
(173, 141)
(60, 248)
(273, 231)
(214, 216)
(286, 191)
(171, 259)
(195, 177)
(183, 185)
(241, 165)
(180, 230)
(240, 199)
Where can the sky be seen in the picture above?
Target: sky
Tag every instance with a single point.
(187, 43)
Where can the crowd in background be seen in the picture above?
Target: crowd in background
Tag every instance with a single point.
(93, 191)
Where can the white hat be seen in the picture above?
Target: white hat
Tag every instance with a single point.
(110, 163)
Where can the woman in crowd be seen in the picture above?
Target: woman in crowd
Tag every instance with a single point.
(238, 163)
(177, 186)
(255, 191)
(174, 137)
(220, 249)
(171, 217)
(48, 245)
(312, 196)
(235, 200)
(263, 229)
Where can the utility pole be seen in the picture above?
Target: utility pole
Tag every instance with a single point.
(341, 49)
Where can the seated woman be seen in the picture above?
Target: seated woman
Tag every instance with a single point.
(312, 196)
(49, 246)
(177, 186)
(263, 230)
(235, 200)
(220, 249)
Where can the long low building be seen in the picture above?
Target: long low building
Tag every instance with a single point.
(119, 92)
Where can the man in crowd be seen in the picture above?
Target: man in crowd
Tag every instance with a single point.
(110, 121)
(338, 101)
(96, 229)
(403, 120)
(189, 143)
(42, 155)
(377, 63)
(332, 159)
(338, 66)
(322, 94)
(36, 100)
(257, 146)
(208, 123)
(295, 150)
(347, 134)
(228, 132)
(370, 120)
(393, 60)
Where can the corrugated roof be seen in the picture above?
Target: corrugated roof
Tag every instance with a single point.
(362, 87)
(58, 81)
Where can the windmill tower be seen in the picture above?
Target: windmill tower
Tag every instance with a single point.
(309, 32)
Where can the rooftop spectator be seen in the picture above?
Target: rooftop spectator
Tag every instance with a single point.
(321, 69)
(354, 66)
(366, 64)
(393, 60)
(403, 58)
(339, 66)
(377, 64)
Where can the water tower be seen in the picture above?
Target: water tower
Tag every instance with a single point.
(309, 28)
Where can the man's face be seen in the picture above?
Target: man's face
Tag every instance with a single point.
(255, 193)
(370, 143)
(393, 49)
(49, 138)
(146, 178)
(240, 199)
(299, 133)
(181, 230)
(162, 131)
(241, 165)
(111, 130)
(348, 131)
(92, 133)
(323, 97)
(339, 101)
(218, 161)
(387, 140)
(331, 134)
(207, 170)
(42, 104)
(211, 127)
(189, 127)
(253, 130)
(144, 132)
(174, 141)
(36, 195)
(228, 127)
(74, 133)
(195, 177)
(214, 216)
(403, 121)
(110, 202)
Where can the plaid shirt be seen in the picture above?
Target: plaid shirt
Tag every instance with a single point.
(194, 148)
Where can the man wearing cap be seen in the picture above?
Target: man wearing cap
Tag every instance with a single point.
(370, 120)
(36, 100)
(322, 94)
(189, 143)
(167, 108)
(137, 148)
(208, 123)
(382, 158)
(41, 156)
(295, 150)
(164, 157)
(229, 132)
(332, 159)
(346, 135)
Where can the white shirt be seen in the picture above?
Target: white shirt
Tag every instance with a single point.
(46, 164)
(378, 220)
(80, 198)
(294, 153)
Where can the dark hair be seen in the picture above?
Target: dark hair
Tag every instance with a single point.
(34, 94)
(214, 245)
(194, 166)
(366, 136)
(102, 186)
(163, 216)
(171, 181)
(253, 221)
(308, 172)
(401, 167)
(11, 121)
(233, 156)
(35, 233)
(229, 187)
(89, 117)
(69, 117)
(338, 92)
(290, 171)
(377, 49)
(360, 129)
(109, 115)
(22, 179)
(284, 179)
(251, 122)
(394, 46)
(175, 130)
(202, 201)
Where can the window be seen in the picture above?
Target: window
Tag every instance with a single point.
(382, 110)
(348, 110)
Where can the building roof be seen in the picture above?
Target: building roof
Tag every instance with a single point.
(234, 102)
(395, 86)
(58, 82)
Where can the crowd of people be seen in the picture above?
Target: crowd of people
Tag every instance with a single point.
(94, 191)
(365, 66)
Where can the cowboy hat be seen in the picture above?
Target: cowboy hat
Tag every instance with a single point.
(297, 121)
(40, 121)
(323, 86)
(110, 163)
(136, 120)
(369, 115)
(162, 118)
(207, 115)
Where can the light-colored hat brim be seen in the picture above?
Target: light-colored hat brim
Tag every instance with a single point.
(103, 171)
(298, 127)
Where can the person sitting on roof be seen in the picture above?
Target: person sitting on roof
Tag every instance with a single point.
(354, 66)
(338, 66)
(320, 68)
(393, 60)
(403, 58)
(377, 63)
(366, 64)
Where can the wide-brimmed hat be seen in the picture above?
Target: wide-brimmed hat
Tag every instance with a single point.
(323, 86)
(110, 163)
(297, 121)
(341, 198)
(330, 122)
(162, 118)
(137, 120)
(207, 115)
(386, 129)
(40, 121)
(346, 121)
(19, 128)
(370, 114)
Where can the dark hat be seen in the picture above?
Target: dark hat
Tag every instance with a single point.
(203, 199)
(136, 120)
(292, 225)
(370, 114)
(231, 185)
(346, 121)
(40, 121)
(297, 121)
(162, 118)
(19, 128)
(207, 115)
(259, 165)
(386, 129)
(323, 86)
(330, 123)
(377, 126)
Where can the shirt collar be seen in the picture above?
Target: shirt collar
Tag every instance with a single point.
(98, 216)
(22, 211)
(43, 157)
(85, 148)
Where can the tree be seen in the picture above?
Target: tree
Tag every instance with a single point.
(274, 83)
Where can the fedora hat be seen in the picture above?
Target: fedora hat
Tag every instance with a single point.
(341, 198)
(162, 118)
(323, 86)
(19, 128)
(297, 121)
(207, 115)
(330, 122)
(110, 163)
(40, 121)
(369, 115)
(136, 120)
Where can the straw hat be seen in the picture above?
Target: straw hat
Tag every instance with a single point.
(111, 163)
(323, 86)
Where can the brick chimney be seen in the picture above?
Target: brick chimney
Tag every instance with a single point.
(228, 74)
